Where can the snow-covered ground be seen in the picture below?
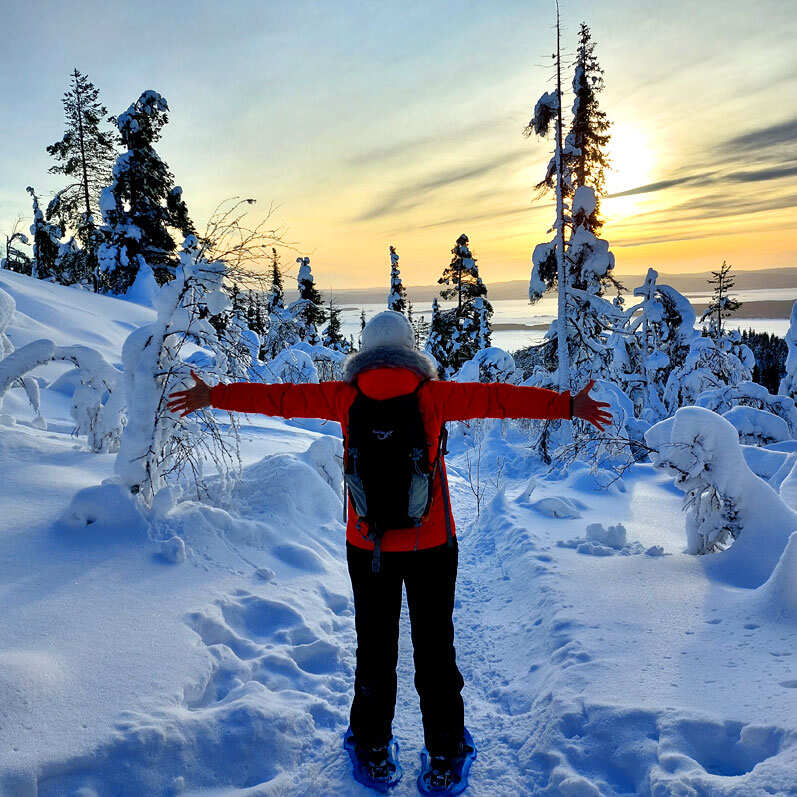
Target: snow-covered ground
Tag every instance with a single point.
(598, 659)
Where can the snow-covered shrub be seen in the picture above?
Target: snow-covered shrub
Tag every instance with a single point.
(707, 367)
(16, 364)
(294, 365)
(489, 365)
(730, 510)
(98, 401)
(757, 427)
(328, 362)
(750, 394)
(157, 443)
(651, 341)
(788, 384)
(28, 358)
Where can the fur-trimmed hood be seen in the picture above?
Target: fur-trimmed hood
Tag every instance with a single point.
(388, 357)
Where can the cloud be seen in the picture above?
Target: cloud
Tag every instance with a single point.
(659, 186)
(401, 148)
(397, 199)
(493, 214)
(775, 173)
(763, 138)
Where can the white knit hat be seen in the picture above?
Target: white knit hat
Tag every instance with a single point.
(387, 328)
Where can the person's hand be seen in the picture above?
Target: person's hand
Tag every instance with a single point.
(589, 409)
(195, 398)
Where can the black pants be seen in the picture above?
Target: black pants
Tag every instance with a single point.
(430, 576)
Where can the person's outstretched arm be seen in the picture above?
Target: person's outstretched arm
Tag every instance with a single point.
(461, 401)
(285, 400)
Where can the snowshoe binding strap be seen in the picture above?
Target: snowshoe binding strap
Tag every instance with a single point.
(375, 767)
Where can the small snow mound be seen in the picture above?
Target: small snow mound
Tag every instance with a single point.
(326, 455)
(173, 550)
(145, 288)
(109, 508)
(779, 592)
(788, 488)
(601, 541)
(613, 536)
(557, 507)
(163, 502)
(586, 479)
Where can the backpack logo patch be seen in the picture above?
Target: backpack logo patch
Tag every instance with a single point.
(381, 434)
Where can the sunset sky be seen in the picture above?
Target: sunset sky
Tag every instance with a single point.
(374, 123)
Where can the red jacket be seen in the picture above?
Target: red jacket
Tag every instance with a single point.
(439, 402)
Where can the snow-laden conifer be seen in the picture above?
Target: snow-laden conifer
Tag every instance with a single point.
(46, 241)
(588, 135)
(307, 310)
(333, 337)
(85, 155)
(439, 341)
(722, 304)
(397, 298)
(142, 203)
(469, 321)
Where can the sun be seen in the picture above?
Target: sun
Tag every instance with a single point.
(631, 165)
(631, 157)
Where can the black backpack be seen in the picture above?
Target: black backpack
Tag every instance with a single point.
(386, 470)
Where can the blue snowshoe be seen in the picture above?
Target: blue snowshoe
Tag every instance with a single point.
(447, 775)
(375, 767)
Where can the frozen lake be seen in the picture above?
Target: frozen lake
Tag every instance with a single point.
(520, 313)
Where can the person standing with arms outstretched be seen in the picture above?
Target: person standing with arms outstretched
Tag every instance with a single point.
(400, 530)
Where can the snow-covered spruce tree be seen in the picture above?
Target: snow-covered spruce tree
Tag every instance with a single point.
(156, 444)
(588, 136)
(333, 338)
(397, 298)
(362, 326)
(589, 265)
(788, 385)
(471, 321)
(307, 310)
(281, 328)
(85, 154)
(276, 294)
(46, 242)
(439, 341)
(420, 326)
(142, 202)
(722, 305)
